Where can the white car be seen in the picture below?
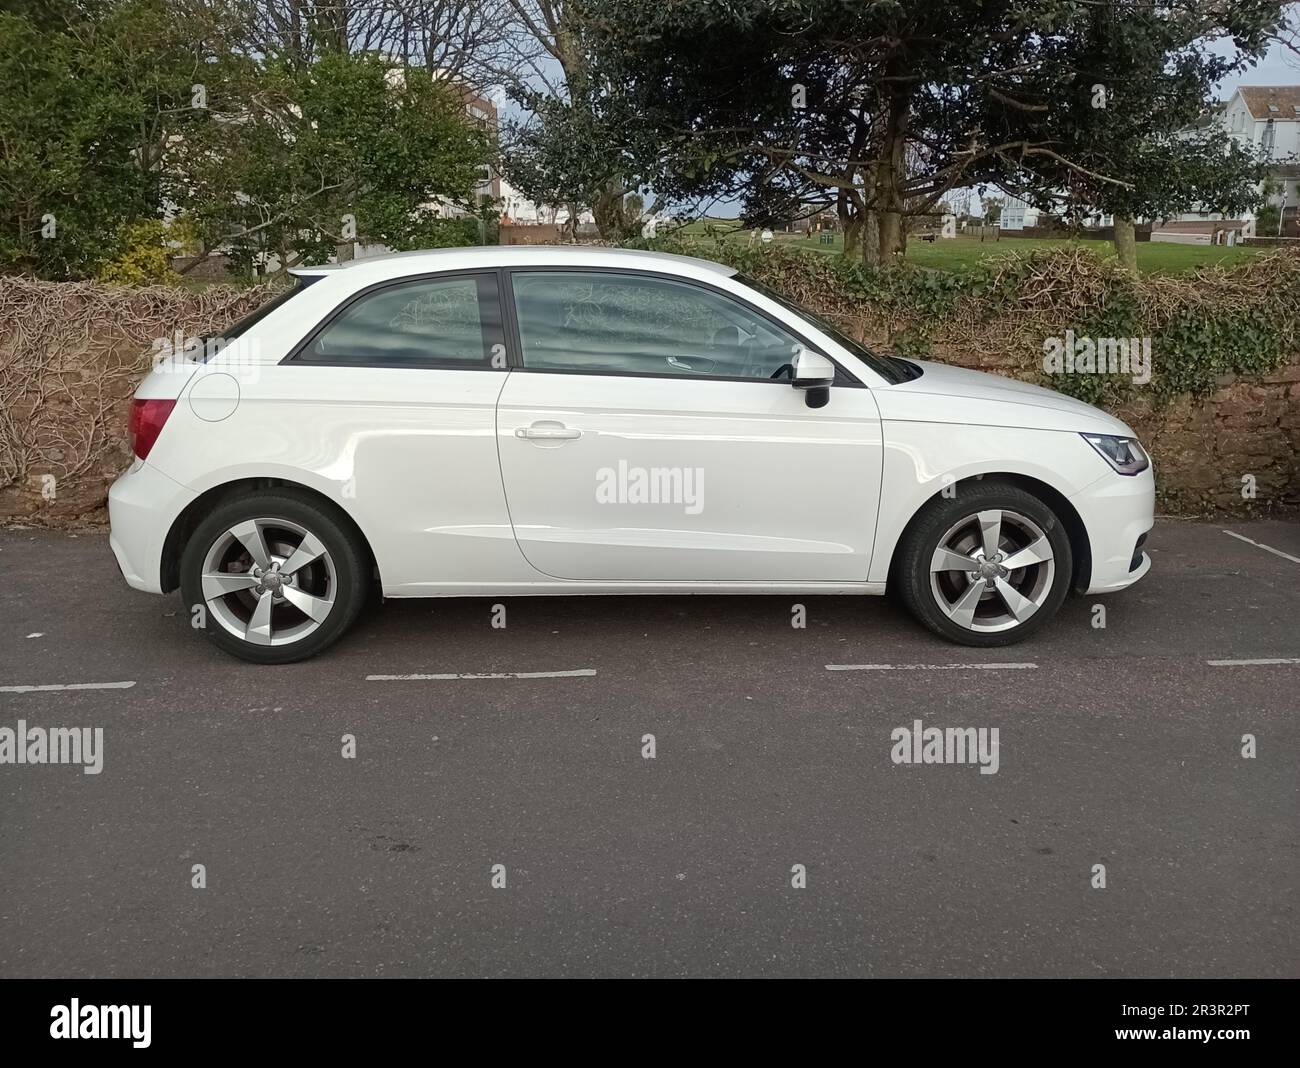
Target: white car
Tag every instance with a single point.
(540, 420)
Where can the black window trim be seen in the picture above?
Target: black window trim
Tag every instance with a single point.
(514, 344)
(508, 322)
(502, 338)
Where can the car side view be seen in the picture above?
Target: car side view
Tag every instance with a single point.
(547, 420)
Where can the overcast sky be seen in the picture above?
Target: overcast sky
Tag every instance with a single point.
(1279, 67)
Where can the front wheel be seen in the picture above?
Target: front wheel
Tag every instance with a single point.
(273, 577)
(986, 567)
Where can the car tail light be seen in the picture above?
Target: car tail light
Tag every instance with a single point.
(147, 418)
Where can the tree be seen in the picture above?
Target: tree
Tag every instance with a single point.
(883, 108)
(261, 118)
(89, 105)
(1165, 175)
(1269, 221)
(465, 40)
(293, 161)
(1133, 132)
(562, 156)
(565, 153)
(54, 14)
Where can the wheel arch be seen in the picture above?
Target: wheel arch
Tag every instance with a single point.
(1080, 548)
(193, 514)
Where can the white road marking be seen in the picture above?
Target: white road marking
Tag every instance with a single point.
(930, 667)
(1261, 545)
(38, 634)
(486, 675)
(1254, 663)
(69, 686)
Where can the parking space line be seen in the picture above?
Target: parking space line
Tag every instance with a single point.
(1261, 545)
(1269, 662)
(69, 686)
(931, 667)
(581, 672)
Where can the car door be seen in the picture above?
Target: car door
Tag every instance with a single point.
(649, 433)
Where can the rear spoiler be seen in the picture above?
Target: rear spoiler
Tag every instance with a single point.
(311, 274)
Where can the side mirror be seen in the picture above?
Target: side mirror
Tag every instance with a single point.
(814, 374)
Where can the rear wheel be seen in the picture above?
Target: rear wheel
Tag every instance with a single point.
(987, 567)
(273, 577)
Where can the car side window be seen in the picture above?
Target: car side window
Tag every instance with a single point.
(642, 324)
(427, 322)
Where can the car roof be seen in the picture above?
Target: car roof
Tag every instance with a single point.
(400, 264)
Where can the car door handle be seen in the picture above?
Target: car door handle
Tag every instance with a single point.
(552, 432)
(706, 365)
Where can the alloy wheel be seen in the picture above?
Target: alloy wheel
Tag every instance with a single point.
(992, 570)
(269, 581)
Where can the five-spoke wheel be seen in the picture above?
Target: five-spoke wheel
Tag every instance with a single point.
(269, 581)
(986, 566)
(274, 576)
(992, 570)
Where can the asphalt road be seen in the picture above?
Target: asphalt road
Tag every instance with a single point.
(1120, 746)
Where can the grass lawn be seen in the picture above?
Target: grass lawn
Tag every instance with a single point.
(962, 253)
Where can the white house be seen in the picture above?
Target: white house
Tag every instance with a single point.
(517, 208)
(1016, 214)
(1267, 117)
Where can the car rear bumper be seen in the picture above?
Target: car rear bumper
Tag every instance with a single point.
(142, 504)
(1118, 512)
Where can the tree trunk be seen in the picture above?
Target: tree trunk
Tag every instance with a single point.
(889, 181)
(608, 210)
(891, 235)
(870, 239)
(852, 230)
(1126, 243)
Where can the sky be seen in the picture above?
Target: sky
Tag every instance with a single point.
(1279, 67)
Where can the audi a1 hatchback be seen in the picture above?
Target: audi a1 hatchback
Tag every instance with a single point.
(538, 420)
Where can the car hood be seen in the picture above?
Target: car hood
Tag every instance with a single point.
(946, 394)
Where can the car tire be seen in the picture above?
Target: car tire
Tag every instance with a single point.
(1015, 601)
(273, 576)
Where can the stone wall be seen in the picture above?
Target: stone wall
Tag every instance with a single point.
(532, 234)
(71, 355)
(1204, 449)
(1243, 438)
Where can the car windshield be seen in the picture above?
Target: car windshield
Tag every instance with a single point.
(892, 371)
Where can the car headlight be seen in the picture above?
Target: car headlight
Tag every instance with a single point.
(1125, 455)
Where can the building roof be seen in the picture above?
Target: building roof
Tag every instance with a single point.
(1272, 101)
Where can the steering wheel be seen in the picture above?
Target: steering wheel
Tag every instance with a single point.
(745, 347)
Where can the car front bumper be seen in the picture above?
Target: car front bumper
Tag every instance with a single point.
(1118, 512)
